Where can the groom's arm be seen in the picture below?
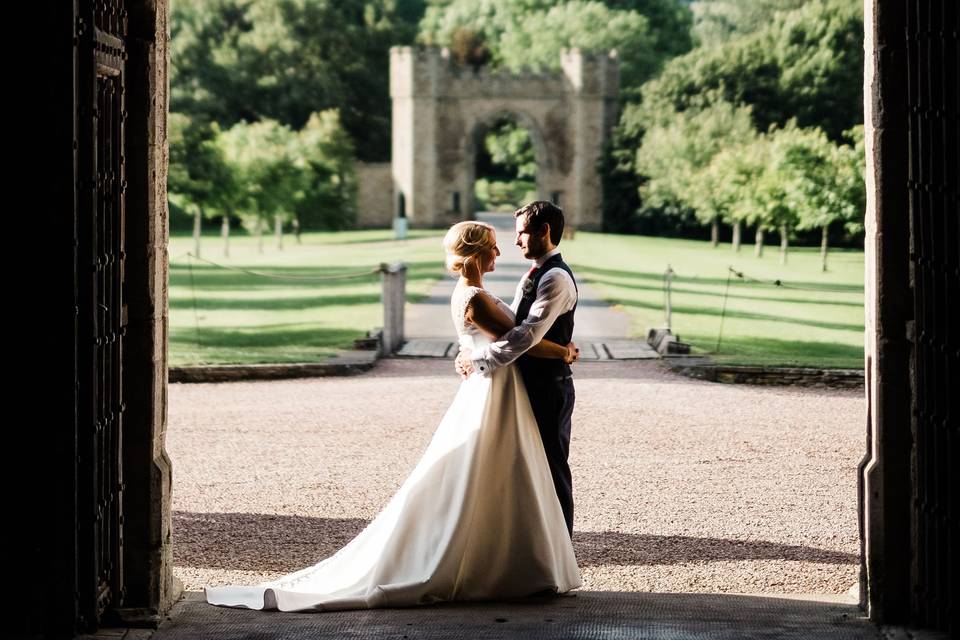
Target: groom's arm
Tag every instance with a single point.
(556, 294)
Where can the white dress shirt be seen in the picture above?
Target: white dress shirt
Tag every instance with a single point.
(556, 294)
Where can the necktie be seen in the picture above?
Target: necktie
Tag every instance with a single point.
(532, 272)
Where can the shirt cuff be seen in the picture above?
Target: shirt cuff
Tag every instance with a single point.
(481, 363)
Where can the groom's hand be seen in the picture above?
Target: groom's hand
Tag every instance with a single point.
(463, 363)
(574, 353)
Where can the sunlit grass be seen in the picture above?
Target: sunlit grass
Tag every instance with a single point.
(277, 306)
(814, 319)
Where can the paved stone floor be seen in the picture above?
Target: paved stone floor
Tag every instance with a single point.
(595, 616)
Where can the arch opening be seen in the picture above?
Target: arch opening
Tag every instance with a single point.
(505, 160)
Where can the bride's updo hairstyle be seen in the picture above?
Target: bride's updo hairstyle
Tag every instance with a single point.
(466, 243)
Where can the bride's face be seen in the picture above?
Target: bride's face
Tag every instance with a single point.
(491, 259)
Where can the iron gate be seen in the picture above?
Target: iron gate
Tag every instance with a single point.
(99, 56)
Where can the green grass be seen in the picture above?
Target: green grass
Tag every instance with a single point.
(219, 315)
(815, 320)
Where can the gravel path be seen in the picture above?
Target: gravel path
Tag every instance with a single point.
(680, 485)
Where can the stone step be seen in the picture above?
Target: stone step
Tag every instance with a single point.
(606, 350)
(630, 350)
(427, 348)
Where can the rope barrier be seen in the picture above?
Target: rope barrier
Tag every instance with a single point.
(339, 276)
(193, 289)
(783, 285)
(776, 283)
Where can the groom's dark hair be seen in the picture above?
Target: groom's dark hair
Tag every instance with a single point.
(539, 212)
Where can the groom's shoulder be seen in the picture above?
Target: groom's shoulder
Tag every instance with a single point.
(560, 275)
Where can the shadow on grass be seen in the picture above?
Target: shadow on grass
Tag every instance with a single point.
(265, 542)
(714, 312)
(213, 277)
(824, 287)
(371, 236)
(775, 352)
(274, 304)
(719, 293)
(241, 340)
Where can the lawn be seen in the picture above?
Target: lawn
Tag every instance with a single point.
(279, 306)
(812, 319)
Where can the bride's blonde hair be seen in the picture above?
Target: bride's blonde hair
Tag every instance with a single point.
(466, 243)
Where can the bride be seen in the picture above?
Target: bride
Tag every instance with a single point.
(478, 517)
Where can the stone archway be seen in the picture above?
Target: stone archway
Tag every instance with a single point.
(439, 109)
(900, 556)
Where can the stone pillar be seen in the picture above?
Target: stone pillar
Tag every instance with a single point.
(394, 298)
(593, 81)
(885, 470)
(414, 74)
(147, 557)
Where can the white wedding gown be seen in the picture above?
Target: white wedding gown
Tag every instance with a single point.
(477, 519)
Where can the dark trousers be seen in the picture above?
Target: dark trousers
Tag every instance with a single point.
(552, 403)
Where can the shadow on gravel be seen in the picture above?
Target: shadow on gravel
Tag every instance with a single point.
(264, 542)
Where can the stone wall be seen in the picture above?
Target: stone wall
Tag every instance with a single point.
(375, 206)
(746, 374)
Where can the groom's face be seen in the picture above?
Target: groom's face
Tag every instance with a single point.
(531, 243)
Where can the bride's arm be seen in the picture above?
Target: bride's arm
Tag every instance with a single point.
(492, 321)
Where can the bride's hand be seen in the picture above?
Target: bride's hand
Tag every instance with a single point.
(573, 353)
(462, 362)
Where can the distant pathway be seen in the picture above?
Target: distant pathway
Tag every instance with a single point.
(600, 331)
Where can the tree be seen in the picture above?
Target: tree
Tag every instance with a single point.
(727, 184)
(266, 158)
(531, 33)
(828, 185)
(330, 195)
(805, 64)
(717, 21)
(509, 145)
(673, 156)
(234, 60)
(200, 180)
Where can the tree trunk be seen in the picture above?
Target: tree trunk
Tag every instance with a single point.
(715, 232)
(296, 229)
(823, 249)
(197, 219)
(758, 246)
(783, 244)
(260, 224)
(225, 234)
(736, 235)
(278, 230)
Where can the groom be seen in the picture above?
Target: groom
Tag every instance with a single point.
(544, 305)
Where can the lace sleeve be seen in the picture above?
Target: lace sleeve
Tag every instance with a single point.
(461, 303)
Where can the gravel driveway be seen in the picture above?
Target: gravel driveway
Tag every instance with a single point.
(680, 485)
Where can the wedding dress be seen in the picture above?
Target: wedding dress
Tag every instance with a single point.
(477, 518)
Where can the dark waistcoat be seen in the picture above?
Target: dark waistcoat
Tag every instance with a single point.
(560, 332)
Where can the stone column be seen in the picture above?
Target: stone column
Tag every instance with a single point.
(885, 470)
(147, 557)
(594, 84)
